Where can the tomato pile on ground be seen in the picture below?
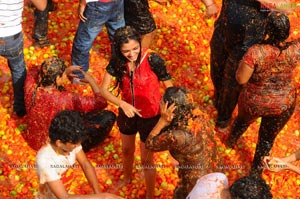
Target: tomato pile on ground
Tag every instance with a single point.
(182, 39)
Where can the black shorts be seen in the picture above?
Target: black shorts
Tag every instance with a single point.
(138, 15)
(130, 126)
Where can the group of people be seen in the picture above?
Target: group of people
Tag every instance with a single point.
(62, 125)
(252, 67)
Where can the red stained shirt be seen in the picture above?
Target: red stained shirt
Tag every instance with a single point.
(271, 89)
(48, 104)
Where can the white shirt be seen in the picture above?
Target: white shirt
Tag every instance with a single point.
(10, 17)
(209, 186)
(51, 166)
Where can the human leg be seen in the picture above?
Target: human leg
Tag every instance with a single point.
(128, 149)
(13, 52)
(40, 27)
(218, 57)
(238, 128)
(137, 14)
(99, 124)
(87, 32)
(116, 19)
(228, 98)
(128, 129)
(145, 125)
(149, 169)
(269, 128)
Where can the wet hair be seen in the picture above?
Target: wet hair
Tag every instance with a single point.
(51, 68)
(249, 187)
(183, 111)
(278, 30)
(67, 126)
(118, 61)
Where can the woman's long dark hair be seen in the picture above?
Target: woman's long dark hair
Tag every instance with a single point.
(278, 30)
(118, 61)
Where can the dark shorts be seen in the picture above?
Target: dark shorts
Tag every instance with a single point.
(130, 126)
(138, 15)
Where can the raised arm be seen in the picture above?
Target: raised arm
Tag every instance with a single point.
(160, 142)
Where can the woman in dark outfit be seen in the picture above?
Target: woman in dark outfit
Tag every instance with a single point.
(137, 14)
(186, 132)
(266, 73)
(240, 25)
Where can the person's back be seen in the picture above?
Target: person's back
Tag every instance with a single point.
(273, 67)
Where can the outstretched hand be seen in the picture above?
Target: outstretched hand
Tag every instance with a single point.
(274, 164)
(71, 69)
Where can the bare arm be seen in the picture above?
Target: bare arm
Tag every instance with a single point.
(87, 77)
(211, 8)
(243, 73)
(285, 6)
(40, 4)
(293, 157)
(277, 164)
(60, 192)
(128, 109)
(88, 170)
(81, 8)
(164, 120)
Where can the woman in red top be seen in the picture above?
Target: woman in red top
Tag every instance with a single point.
(138, 73)
(266, 73)
(45, 97)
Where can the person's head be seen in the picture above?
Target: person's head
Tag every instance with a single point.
(184, 106)
(67, 130)
(249, 187)
(277, 28)
(127, 44)
(51, 69)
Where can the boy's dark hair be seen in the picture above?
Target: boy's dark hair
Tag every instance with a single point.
(67, 126)
(250, 187)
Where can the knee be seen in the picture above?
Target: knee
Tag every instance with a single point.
(128, 151)
(148, 160)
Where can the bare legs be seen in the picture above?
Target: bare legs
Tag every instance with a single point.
(149, 170)
(128, 149)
